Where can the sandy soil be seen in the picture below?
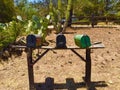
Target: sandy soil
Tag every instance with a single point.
(64, 67)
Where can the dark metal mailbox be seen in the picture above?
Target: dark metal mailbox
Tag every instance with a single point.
(60, 41)
(33, 40)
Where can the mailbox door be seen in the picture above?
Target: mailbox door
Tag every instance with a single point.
(31, 41)
(60, 41)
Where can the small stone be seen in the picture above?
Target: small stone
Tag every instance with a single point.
(23, 74)
(108, 52)
(62, 66)
(70, 62)
(103, 62)
(102, 66)
(109, 32)
(45, 63)
(113, 59)
(110, 82)
(54, 52)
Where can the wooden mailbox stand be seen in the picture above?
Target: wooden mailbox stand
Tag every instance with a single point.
(87, 61)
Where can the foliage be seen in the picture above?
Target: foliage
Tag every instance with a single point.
(7, 10)
(56, 14)
(81, 6)
(68, 15)
(118, 18)
(38, 26)
(26, 10)
(9, 33)
(34, 20)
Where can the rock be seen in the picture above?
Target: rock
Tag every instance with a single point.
(70, 62)
(23, 74)
(110, 82)
(109, 32)
(103, 62)
(45, 62)
(108, 51)
(62, 66)
(113, 59)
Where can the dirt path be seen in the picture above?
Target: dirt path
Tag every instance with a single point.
(64, 66)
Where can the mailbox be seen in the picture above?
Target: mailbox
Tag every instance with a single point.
(33, 40)
(82, 41)
(60, 41)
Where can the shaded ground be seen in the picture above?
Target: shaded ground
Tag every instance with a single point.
(65, 68)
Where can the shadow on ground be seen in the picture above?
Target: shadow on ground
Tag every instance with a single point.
(69, 85)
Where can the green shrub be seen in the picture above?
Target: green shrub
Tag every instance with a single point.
(9, 33)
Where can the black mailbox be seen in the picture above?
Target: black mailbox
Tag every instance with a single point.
(60, 41)
(33, 40)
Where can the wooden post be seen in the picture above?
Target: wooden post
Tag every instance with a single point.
(92, 20)
(88, 69)
(30, 69)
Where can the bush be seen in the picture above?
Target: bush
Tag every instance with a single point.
(9, 33)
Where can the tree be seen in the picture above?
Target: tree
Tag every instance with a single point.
(7, 10)
(26, 10)
(82, 7)
(68, 14)
(56, 14)
(117, 10)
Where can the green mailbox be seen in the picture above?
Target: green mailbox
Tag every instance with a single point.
(82, 41)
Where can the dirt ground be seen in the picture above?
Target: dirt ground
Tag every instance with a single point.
(64, 67)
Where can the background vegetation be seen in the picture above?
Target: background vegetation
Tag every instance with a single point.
(20, 17)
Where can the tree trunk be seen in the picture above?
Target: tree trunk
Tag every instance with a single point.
(68, 15)
(70, 19)
(59, 16)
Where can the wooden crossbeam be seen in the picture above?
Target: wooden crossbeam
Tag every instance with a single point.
(93, 46)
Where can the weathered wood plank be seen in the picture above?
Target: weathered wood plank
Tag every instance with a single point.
(93, 46)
